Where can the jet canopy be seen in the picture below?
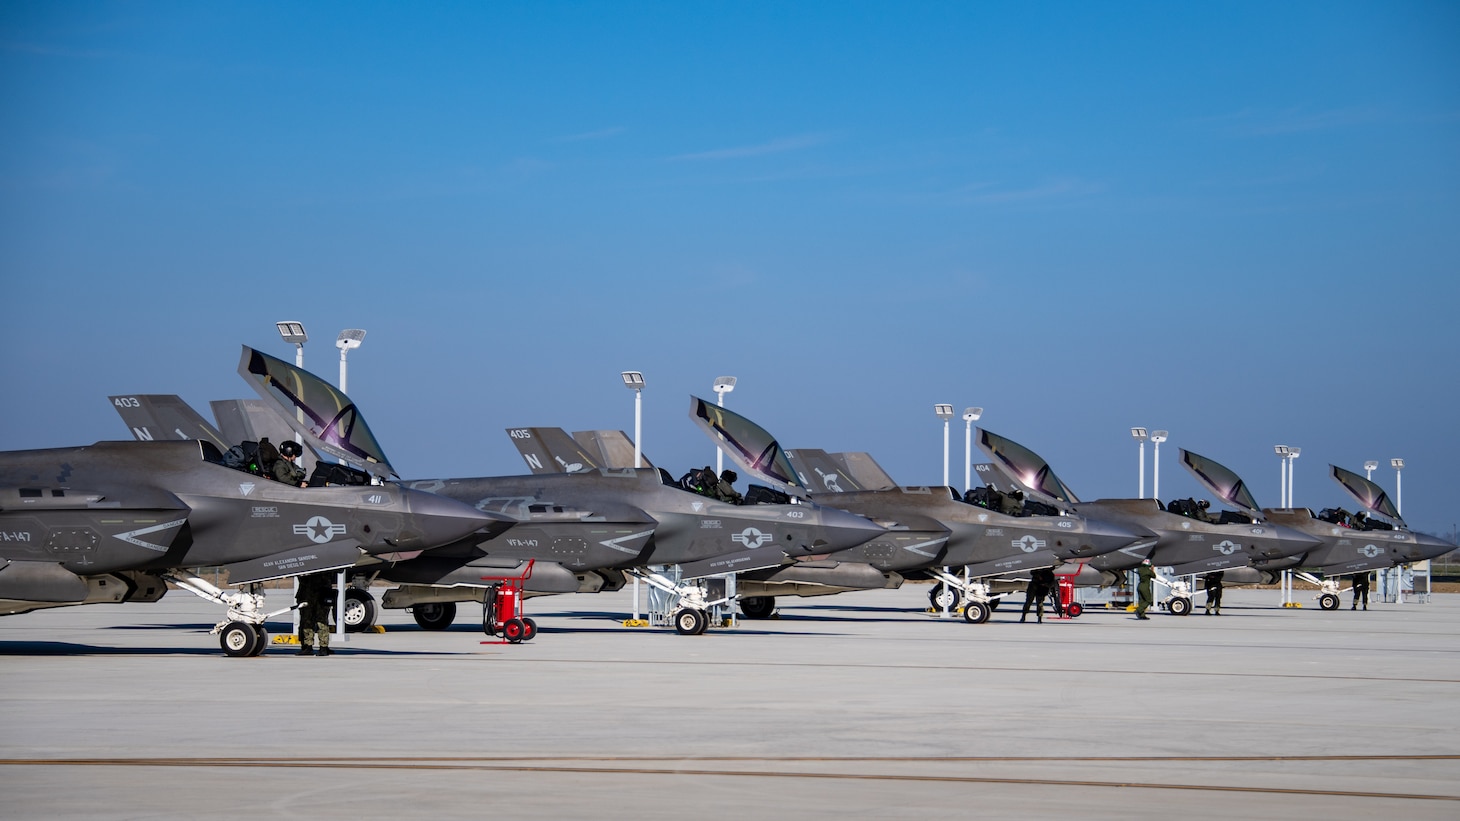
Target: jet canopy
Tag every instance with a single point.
(1026, 467)
(1369, 495)
(1221, 481)
(747, 444)
(316, 410)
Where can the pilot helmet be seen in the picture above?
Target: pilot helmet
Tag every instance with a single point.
(290, 448)
(1203, 504)
(729, 475)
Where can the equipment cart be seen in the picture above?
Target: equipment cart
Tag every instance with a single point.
(502, 608)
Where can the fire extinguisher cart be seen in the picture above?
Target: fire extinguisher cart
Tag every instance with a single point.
(502, 613)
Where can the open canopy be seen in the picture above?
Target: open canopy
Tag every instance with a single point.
(1026, 467)
(1220, 480)
(1366, 493)
(747, 444)
(316, 410)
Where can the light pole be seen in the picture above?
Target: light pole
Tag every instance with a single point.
(349, 339)
(1282, 455)
(634, 381)
(1398, 465)
(1139, 434)
(970, 415)
(1369, 468)
(944, 412)
(293, 333)
(723, 385)
(1157, 438)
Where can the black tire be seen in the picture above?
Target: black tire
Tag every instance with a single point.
(513, 630)
(263, 640)
(359, 610)
(758, 607)
(434, 615)
(941, 593)
(976, 612)
(1074, 609)
(1181, 607)
(531, 630)
(238, 639)
(690, 622)
(489, 615)
(1328, 601)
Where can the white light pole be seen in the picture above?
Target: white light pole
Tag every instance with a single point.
(293, 334)
(1157, 438)
(1369, 468)
(1139, 434)
(1282, 455)
(349, 339)
(723, 385)
(1398, 465)
(944, 412)
(634, 381)
(970, 415)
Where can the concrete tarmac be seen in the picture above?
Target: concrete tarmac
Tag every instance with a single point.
(852, 706)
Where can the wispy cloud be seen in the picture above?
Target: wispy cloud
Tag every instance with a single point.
(1296, 120)
(600, 134)
(779, 146)
(988, 194)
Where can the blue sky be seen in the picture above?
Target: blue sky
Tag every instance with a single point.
(1237, 221)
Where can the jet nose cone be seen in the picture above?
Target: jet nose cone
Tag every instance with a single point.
(436, 520)
(840, 530)
(1291, 542)
(1429, 547)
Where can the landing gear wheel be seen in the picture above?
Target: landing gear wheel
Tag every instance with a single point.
(359, 610)
(976, 612)
(1074, 609)
(530, 628)
(690, 622)
(942, 596)
(758, 607)
(263, 640)
(1328, 601)
(436, 615)
(239, 639)
(1181, 607)
(513, 630)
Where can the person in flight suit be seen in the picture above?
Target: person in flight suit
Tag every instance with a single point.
(1212, 583)
(1041, 581)
(1145, 588)
(286, 468)
(315, 600)
(724, 488)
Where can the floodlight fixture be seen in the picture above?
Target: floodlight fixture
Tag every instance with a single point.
(293, 332)
(1139, 434)
(1369, 467)
(633, 380)
(1397, 464)
(350, 339)
(1280, 450)
(724, 385)
(1159, 436)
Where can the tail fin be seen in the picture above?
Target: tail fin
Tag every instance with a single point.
(550, 450)
(865, 470)
(820, 472)
(164, 416)
(612, 448)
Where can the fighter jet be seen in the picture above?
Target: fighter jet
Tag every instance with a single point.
(1191, 539)
(584, 530)
(114, 521)
(931, 529)
(1349, 544)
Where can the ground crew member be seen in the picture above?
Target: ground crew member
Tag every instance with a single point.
(315, 598)
(1145, 588)
(1361, 591)
(1212, 583)
(1040, 583)
(286, 468)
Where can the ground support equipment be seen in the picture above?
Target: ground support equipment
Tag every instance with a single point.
(502, 609)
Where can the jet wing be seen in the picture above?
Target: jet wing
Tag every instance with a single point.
(316, 410)
(611, 448)
(747, 444)
(1221, 481)
(550, 450)
(1025, 466)
(818, 470)
(1366, 493)
(164, 416)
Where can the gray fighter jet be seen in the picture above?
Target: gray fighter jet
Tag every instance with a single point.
(939, 530)
(1349, 544)
(584, 530)
(114, 521)
(1191, 539)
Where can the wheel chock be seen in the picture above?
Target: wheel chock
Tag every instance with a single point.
(284, 638)
(635, 623)
(1292, 604)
